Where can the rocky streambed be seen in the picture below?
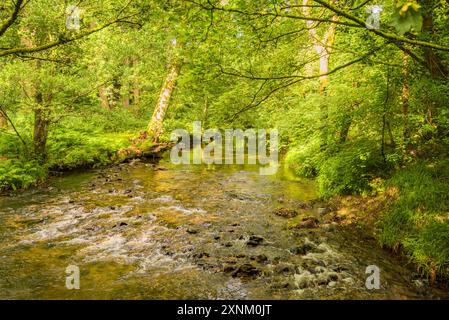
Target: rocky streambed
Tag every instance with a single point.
(146, 231)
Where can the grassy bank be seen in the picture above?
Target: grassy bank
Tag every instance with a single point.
(406, 207)
(67, 150)
(95, 137)
(417, 222)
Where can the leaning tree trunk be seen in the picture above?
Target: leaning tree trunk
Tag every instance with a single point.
(155, 126)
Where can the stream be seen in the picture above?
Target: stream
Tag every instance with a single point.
(162, 231)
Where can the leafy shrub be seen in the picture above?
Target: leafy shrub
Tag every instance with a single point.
(429, 248)
(18, 174)
(303, 161)
(349, 170)
(10, 145)
(71, 149)
(418, 220)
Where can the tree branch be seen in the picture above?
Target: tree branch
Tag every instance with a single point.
(276, 14)
(61, 40)
(8, 23)
(386, 35)
(294, 81)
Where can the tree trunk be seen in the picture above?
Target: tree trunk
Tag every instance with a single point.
(405, 98)
(135, 85)
(344, 132)
(436, 67)
(3, 121)
(323, 47)
(41, 120)
(433, 61)
(155, 126)
(126, 98)
(102, 93)
(41, 123)
(136, 96)
(390, 135)
(205, 112)
(116, 92)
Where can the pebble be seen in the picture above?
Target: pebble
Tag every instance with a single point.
(286, 213)
(246, 270)
(303, 249)
(254, 241)
(261, 258)
(322, 211)
(285, 269)
(308, 223)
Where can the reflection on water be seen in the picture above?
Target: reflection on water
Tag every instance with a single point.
(139, 231)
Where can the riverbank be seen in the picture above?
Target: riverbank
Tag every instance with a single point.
(66, 155)
(402, 202)
(407, 216)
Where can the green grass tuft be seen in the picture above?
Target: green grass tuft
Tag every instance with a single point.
(418, 221)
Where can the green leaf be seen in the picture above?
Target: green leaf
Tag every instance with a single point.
(407, 18)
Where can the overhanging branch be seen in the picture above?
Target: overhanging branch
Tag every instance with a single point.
(291, 80)
(15, 13)
(386, 35)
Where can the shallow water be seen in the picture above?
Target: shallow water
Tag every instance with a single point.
(139, 231)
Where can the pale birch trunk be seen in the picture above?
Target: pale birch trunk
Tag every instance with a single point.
(155, 126)
(104, 100)
(323, 47)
